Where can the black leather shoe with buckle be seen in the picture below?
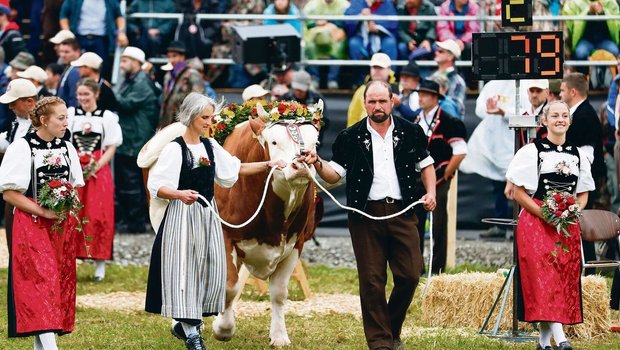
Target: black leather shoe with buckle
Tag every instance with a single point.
(194, 342)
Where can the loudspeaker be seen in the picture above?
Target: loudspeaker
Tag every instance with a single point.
(273, 44)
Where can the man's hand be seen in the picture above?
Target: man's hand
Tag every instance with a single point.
(492, 106)
(308, 157)
(122, 40)
(365, 12)
(426, 44)
(429, 201)
(411, 45)
(372, 27)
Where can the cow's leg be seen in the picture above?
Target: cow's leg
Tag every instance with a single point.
(224, 324)
(278, 290)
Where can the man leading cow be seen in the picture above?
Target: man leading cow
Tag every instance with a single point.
(375, 154)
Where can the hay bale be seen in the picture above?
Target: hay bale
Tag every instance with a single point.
(464, 300)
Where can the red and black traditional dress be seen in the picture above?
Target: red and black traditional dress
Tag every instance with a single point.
(41, 288)
(92, 134)
(549, 277)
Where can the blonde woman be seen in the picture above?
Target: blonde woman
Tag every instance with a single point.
(41, 296)
(549, 274)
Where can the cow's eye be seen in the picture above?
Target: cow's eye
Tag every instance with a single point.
(274, 143)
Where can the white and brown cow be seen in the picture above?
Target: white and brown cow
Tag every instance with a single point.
(270, 245)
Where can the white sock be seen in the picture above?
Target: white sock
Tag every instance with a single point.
(189, 329)
(545, 334)
(558, 332)
(37, 343)
(100, 268)
(47, 341)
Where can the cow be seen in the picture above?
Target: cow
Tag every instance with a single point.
(271, 244)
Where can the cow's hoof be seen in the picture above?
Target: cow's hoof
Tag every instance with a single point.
(222, 337)
(280, 341)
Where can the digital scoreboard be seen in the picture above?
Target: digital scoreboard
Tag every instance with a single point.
(516, 13)
(517, 55)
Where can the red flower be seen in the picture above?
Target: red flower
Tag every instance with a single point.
(55, 183)
(281, 108)
(254, 112)
(232, 107)
(84, 158)
(570, 200)
(220, 126)
(558, 213)
(562, 206)
(558, 197)
(68, 185)
(269, 106)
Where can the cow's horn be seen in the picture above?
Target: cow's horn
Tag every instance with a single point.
(261, 112)
(319, 105)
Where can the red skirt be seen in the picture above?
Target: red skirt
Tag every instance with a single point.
(550, 285)
(97, 196)
(41, 277)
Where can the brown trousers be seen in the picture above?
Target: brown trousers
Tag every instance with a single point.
(377, 244)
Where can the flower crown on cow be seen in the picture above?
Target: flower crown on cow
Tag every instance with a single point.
(270, 112)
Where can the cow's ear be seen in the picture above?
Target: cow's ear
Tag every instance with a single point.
(257, 125)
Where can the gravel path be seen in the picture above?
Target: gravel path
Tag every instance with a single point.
(135, 249)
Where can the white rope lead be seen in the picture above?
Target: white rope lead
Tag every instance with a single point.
(378, 218)
(260, 205)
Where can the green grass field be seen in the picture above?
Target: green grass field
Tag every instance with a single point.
(101, 329)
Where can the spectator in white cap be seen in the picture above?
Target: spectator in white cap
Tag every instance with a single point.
(138, 112)
(68, 52)
(301, 89)
(380, 64)
(38, 77)
(21, 96)
(61, 36)
(89, 65)
(254, 92)
(446, 53)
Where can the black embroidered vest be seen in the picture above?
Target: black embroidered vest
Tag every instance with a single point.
(556, 181)
(86, 140)
(199, 178)
(50, 160)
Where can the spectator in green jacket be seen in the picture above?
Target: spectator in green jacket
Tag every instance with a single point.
(326, 39)
(587, 36)
(416, 37)
(138, 114)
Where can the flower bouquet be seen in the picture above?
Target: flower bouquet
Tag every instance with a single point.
(270, 112)
(560, 209)
(89, 164)
(62, 198)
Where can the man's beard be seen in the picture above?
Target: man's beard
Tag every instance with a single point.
(128, 73)
(379, 117)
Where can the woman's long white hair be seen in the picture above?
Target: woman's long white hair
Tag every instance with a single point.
(194, 104)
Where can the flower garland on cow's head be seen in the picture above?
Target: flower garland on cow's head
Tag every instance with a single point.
(271, 112)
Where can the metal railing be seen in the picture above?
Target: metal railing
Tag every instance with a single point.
(180, 17)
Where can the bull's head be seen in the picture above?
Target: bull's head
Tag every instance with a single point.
(284, 140)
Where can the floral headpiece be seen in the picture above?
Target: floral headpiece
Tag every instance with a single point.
(271, 112)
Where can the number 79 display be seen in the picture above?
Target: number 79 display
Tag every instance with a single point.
(517, 55)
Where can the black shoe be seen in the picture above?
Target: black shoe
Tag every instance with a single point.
(539, 347)
(177, 331)
(194, 342)
(565, 345)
